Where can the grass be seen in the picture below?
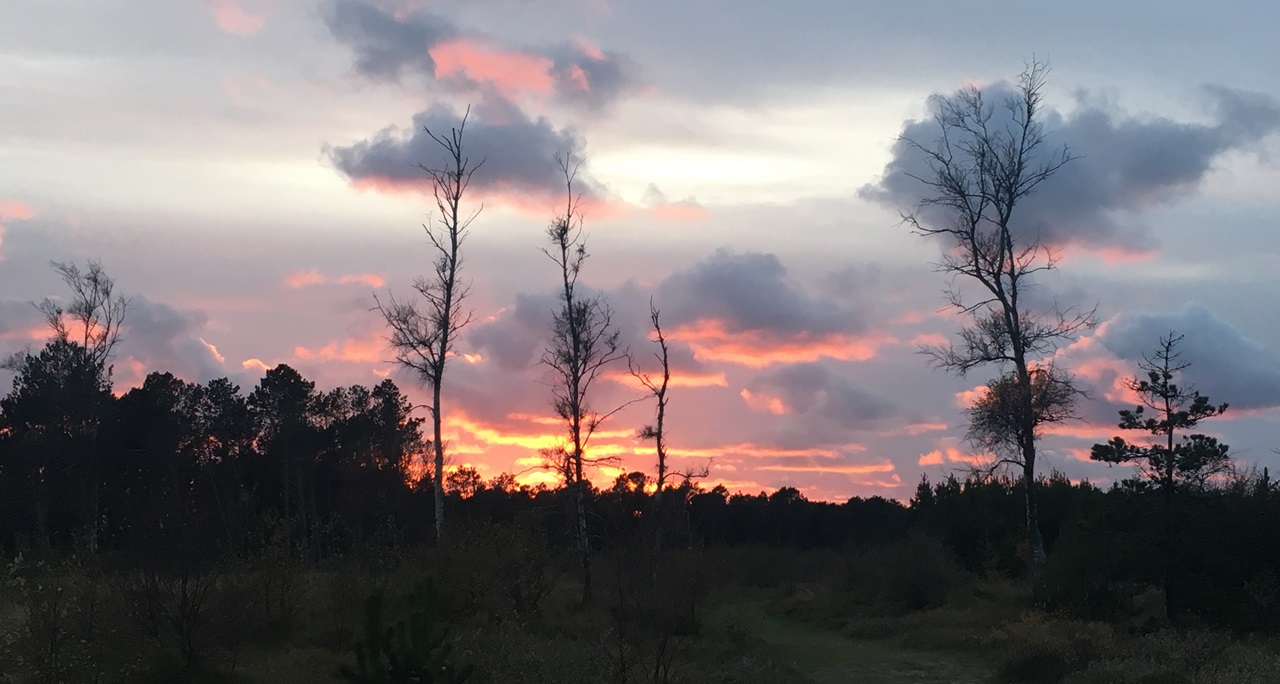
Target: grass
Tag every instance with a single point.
(823, 618)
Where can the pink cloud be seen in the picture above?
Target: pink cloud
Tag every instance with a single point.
(1111, 255)
(232, 18)
(371, 349)
(711, 341)
(213, 350)
(255, 364)
(13, 210)
(304, 279)
(536, 203)
(513, 74)
(932, 458)
(308, 278)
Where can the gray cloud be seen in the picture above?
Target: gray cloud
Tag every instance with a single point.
(518, 153)
(816, 391)
(1125, 164)
(818, 405)
(163, 338)
(1225, 365)
(388, 44)
(590, 79)
(751, 291)
(515, 339)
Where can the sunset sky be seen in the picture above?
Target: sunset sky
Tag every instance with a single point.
(245, 170)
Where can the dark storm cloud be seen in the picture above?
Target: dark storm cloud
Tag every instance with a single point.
(751, 291)
(1224, 364)
(518, 153)
(1124, 164)
(387, 44)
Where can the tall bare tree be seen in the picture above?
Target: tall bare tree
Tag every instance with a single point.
(423, 332)
(986, 160)
(584, 341)
(657, 387)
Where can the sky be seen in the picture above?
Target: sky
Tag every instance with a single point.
(246, 171)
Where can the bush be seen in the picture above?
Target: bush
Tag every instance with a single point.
(912, 575)
(415, 650)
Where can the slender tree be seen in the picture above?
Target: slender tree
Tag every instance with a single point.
(584, 341)
(1171, 464)
(657, 387)
(423, 333)
(986, 160)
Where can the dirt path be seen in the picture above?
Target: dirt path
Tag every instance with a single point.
(827, 657)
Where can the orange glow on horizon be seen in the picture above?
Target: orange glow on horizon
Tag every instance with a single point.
(856, 469)
(351, 350)
(710, 341)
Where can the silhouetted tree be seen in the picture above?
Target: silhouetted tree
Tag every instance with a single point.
(464, 481)
(1172, 464)
(996, 420)
(979, 170)
(423, 337)
(583, 342)
(93, 315)
(283, 407)
(51, 417)
(658, 388)
(89, 320)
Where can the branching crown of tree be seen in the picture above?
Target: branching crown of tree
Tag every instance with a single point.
(1174, 408)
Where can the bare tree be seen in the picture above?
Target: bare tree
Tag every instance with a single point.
(423, 332)
(584, 340)
(93, 315)
(658, 389)
(985, 161)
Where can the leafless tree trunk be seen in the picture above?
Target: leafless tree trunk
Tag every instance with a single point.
(583, 342)
(423, 337)
(658, 388)
(980, 169)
